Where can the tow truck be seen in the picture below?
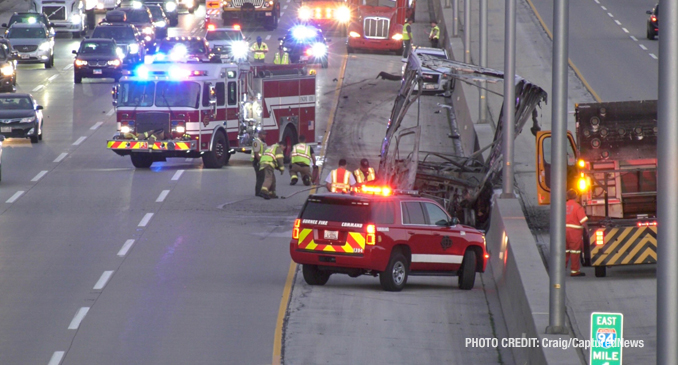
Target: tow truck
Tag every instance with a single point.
(209, 110)
(378, 25)
(613, 164)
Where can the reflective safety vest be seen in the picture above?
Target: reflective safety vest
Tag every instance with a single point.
(406, 34)
(257, 49)
(258, 146)
(285, 59)
(272, 157)
(301, 153)
(341, 181)
(360, 176)
(435, 33)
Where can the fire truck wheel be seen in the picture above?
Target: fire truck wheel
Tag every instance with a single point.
(467, 273)
(141, 160)
(601, 271)
(313, 276)
(395, 275)
(219, 155)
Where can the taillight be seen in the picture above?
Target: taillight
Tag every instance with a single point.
(647, 224)
(309, 52)
(600, 237)
(178, 127)
(295, 230)
(370, 239)
(653, 18)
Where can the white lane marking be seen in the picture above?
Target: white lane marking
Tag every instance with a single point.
(282, 13)
(177, 175)
(653, 56)
(61, 157)
(597, 1)
(79, 316)
(39, 175)
(268, 37)
(14, 197)
(618, 22)
(96, 125)
(68, 67)
(79, 140)
(634, 38)
(604, 8)
(162, 196)
(125, 247)
(625, 30)
(103, 280)
(145, 219)
(285, 7)
(110, 112)
(610, 15)
(37, 88)
(51, 78)
(56, 358)
(642, 46)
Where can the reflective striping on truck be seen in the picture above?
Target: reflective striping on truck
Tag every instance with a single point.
(355, 243)
(127, 145)
(626, 246)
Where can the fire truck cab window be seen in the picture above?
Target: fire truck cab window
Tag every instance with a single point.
(221, 93)
(206, 94)
(136, 93)
(232, 93)
(177, 94)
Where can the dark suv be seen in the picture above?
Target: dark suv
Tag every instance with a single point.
(379, 233)
(306, 44)
(97, 58)
(7, 67)
(653, 22)
(128, 38)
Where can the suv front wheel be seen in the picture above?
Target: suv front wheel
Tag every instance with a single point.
(395, 275)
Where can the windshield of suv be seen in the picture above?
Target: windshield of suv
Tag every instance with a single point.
(25, 18)
(101, 48)
(117, 33)
(177, 94)
(223, 35)
(15, 103)
(156, 12)
(138, 16)
(136, 93)
(26, 33)
(350, 211)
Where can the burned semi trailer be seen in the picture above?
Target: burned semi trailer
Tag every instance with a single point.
(463, 183)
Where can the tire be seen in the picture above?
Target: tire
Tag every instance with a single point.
(141, 160)
(467, 272)
(77, 79)
(218, 156)
(50, 62)
(313, 276)
(34, 139)
(394, 277)
(350, 50)
(601, 271)
(290, 138)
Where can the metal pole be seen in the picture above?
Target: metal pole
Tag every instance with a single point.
(455, 18)
(667, 190)
(509, 114)
(447, 4)
(467, 31)
(558, 169)
(482, 112)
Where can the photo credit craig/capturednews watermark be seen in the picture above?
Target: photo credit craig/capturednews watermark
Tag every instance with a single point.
(561, 343)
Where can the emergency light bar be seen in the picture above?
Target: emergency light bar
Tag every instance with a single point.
(174, 72)
(376, 190)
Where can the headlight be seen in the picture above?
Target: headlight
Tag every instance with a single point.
(319, 50)
(27, 120)
(46, 46)
(189, 3)
(239, 49)
(125, 129)
(353, 34)
(7, 70)
(76, 19)
(137, 4)
(305, 13)
(343, 14)
(160, 24)
(120, 52)
(397, 37)
(115, 63)
(171, 6)
(134, 48)
(147, 30)
(80, 62)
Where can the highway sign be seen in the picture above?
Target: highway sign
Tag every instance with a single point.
(606, 338)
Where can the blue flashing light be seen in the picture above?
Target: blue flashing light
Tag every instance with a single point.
(142, 72)
(301, 32)
(177, 72)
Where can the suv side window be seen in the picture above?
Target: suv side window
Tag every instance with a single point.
(413, 213)
(435, 214)
(382, 212)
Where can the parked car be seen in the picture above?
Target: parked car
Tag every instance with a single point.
(7, 67)
(160, 20)
(130, 41)
(227, 43)
(653, 22)
(306, 44)
(434, 81)
(20, 117)
(33, 42)
(30, 18)
(97, 58)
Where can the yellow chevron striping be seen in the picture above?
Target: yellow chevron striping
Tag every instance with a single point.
(600, 253)
(358, 238)
(643, 257)
(329, 248)
(302, 235)
(640, 244)
(110, 144)
(628, 243)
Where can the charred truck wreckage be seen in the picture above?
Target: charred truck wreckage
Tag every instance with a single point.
(463, 184)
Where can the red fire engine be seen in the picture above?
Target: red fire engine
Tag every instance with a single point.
(210, 110)
(378, 25)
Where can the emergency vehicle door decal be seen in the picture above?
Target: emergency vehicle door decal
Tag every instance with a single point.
(437, 259)
(355, 243)
(446, 242)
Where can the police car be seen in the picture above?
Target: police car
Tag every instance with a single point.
(379, 232)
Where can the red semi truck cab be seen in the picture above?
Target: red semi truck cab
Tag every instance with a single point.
(378, 25)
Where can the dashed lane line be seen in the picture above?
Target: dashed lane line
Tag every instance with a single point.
(103, 280)
(39, 175)
(610, 15)
(268, 37)
(162, 196)
(61, 157)
(51, 78)
(79, 140)
(625, 30)
(125, 248)
(79, 316)
(642, 46)
(37, 88)
(604, 8)
(16, 196)
(57, 356)
(96, 125)
(653, 56)
(145, 219)
(110, 112)
(634, 39)
(70, 66)
(618, 22)
(177, 175)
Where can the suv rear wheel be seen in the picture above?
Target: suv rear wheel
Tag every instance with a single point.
(395, 275)
(314, 276)
(467, 272)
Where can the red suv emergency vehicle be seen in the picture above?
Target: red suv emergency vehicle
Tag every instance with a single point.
(376, 232)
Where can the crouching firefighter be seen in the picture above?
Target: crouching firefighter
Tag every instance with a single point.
(303, 157)
(271, 160)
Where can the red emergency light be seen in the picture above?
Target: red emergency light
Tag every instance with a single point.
(647, 224)
(237, 26)
(295, 230)
(211, 27)
(376, 190)
(370, 238)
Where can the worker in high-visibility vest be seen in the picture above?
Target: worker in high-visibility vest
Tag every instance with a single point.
(258, 148)
(281, 57)
(259, 49)
(303, 157)
(407, 38)
(434, 36)
(340, 180)
(271, 160)
(365, 173)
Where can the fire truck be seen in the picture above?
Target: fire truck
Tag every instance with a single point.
(378, 25)
(251, 12)
(210, 110)
(325, 14)
(613, 164)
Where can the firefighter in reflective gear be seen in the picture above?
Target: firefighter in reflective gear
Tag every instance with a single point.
(271, 160)
(365, 173)
(258, 148)
(575, 224)
(407, 38)
(434, 36)
(281, 57)
(259, 48)
(340, 180)
(303, 158)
